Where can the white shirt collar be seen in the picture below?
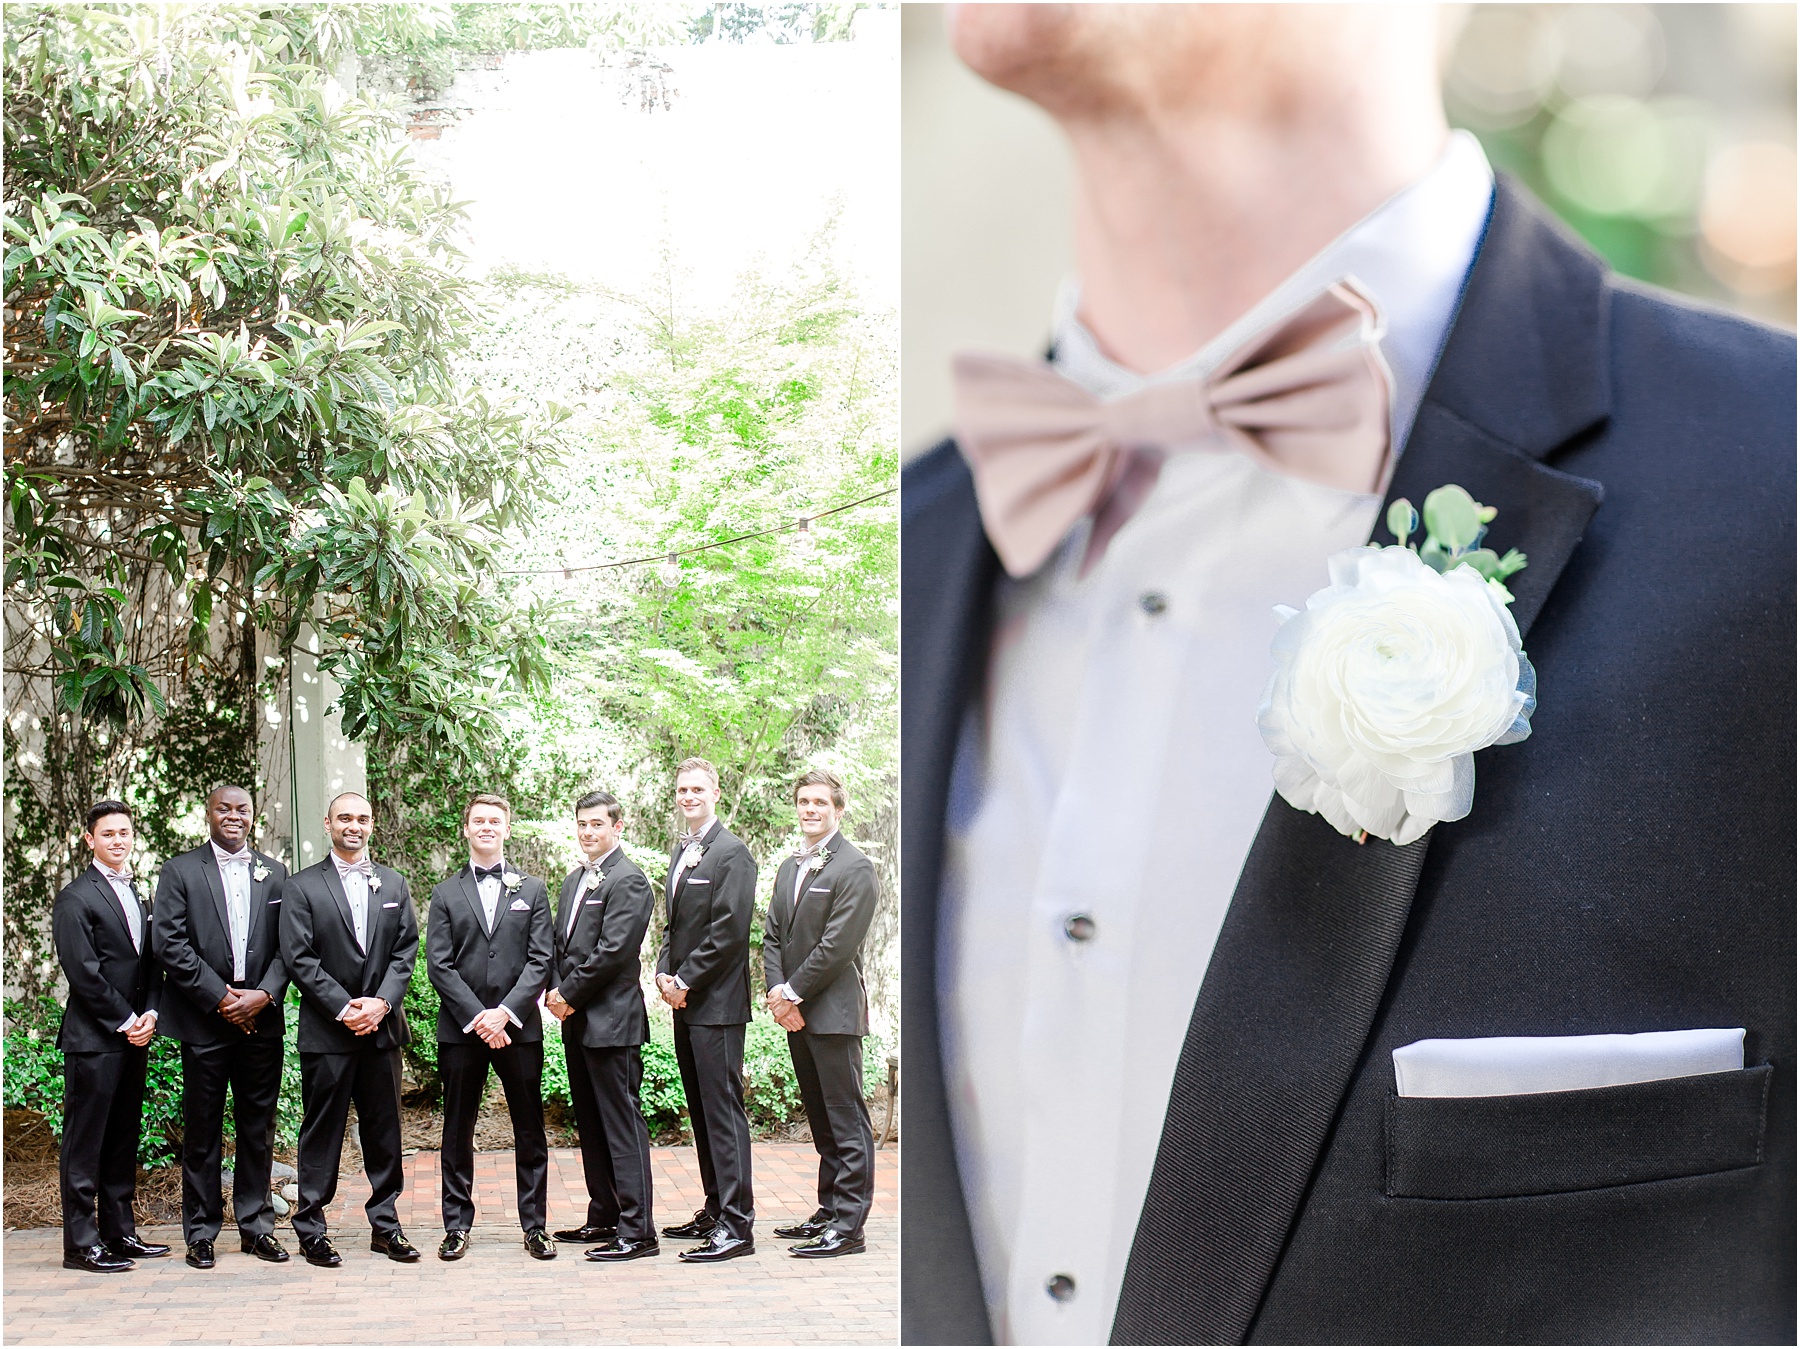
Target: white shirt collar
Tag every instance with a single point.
(807, 850)
(600, 861)
(700, 834)
(1412, 253)
(241, 855)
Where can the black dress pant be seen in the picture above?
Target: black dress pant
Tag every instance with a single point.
(464, 1070)
(615, 1143)
(711, 1059)
(828, 1069)
(103, 1113)
(251, 1066)
(329, 1085)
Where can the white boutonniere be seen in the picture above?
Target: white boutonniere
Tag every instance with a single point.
(512, 881)
(591, 881)
(690, 856)
(1394, 675)
(819, 859)
(374, 881)
(259, 872)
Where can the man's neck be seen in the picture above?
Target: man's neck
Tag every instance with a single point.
(595, 858)
(813, 842)
(1182, 226)
(492, 859)
(230, 848)
(698, 829)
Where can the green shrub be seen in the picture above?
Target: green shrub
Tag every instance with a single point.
(420, 1008)
(661, 1099)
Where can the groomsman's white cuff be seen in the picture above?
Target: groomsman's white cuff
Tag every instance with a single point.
(511, 1016)
(346, 1012)
(786, 991)
(679, 983)
(130, 1021)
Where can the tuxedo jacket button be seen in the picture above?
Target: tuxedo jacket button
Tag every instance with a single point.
(1078, 927)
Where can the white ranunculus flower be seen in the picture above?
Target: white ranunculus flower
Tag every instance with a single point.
(1385, 685)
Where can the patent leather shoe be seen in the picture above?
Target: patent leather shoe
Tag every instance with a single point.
(721, 1245)
(265, 1247)
(538, 1244)
(130, 1248)
(394, 1246)
(813, 1227)
(96, 1260)
(200, 1254)
(454, 1246)
(623, 1248)
(830, 1244)
(697, 1228)
(587, 1235)
(319, 1251)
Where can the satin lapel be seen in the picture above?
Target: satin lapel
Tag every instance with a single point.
(110, 902)
(948, 574)
(215, 882)
(259, 898)
(334, 885)
(571, 886)
(670, 888)
(1304, 956)
(472, 897)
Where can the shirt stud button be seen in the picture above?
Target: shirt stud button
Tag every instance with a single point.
(1078, 927)
(1153, 602)
(1060, 1287)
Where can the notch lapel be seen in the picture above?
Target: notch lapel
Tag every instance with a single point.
(471, 894)
(334, 886)
(215, 882)
(1307, 947)
(110, 903)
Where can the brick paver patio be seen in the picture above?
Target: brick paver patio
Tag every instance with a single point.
(495, 1295)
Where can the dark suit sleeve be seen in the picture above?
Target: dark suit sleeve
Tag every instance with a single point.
(727, 936)
(852, 910)
(539, 950)
(664, 963)
(301, 955)
(772, 977)
(275, 976)
(628, 907)
(398, 974)
(170, 939)
(440, 963)
(72, 931)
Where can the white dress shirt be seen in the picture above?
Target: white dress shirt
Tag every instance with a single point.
(356, 890)
(234, 873)
(487, 889)
(1107, 793)
(802, 873)
(134, 920)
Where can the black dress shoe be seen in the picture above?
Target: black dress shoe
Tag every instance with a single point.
(830, 1244)
(200, 1254)
(813, 1227)
(698, 1229)
(265, 1247)
(620, 1248)
(585, 1235)
(319, 1251)
(454, 1246)
(96, 1260)
(538, 1244)
(719, 1246)
(130, 1248)
(394, 1246)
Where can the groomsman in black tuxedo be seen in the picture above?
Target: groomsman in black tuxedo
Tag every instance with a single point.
(703, 972)
(101, 928)
(349, 940)
(216, 930)
(487, 949)
(819, 913)
(601, 919)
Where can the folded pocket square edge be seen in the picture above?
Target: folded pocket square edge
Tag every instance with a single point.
(1517, 1065)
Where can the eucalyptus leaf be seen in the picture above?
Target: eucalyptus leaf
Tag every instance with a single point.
(1452, 517)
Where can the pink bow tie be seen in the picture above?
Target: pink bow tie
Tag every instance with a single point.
(1308, 398)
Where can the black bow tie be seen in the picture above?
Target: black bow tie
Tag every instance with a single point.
(482, 873)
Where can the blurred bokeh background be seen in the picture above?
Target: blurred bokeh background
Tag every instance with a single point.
(1664, 134)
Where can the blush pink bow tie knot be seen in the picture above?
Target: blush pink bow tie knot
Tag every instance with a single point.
(1308, 398)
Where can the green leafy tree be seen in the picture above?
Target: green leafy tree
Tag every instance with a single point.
(232, 411)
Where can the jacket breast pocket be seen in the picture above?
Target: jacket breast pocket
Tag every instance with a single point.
(1495, 1147)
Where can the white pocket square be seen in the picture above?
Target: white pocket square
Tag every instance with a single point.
(593, 901)
(391, 904)
(1522, 1065)
(520, 906)
(276, 900)
(811, 888)
(698, 880)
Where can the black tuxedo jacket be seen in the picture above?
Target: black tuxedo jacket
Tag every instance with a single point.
(597, 965)
(1630, 867)
(318, 945)
(110, 981)
(817, 951)
(191, 934)
(474, 969)
(706, 943)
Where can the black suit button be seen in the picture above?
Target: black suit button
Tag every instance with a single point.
(1078, 927)
(1060, 1287)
